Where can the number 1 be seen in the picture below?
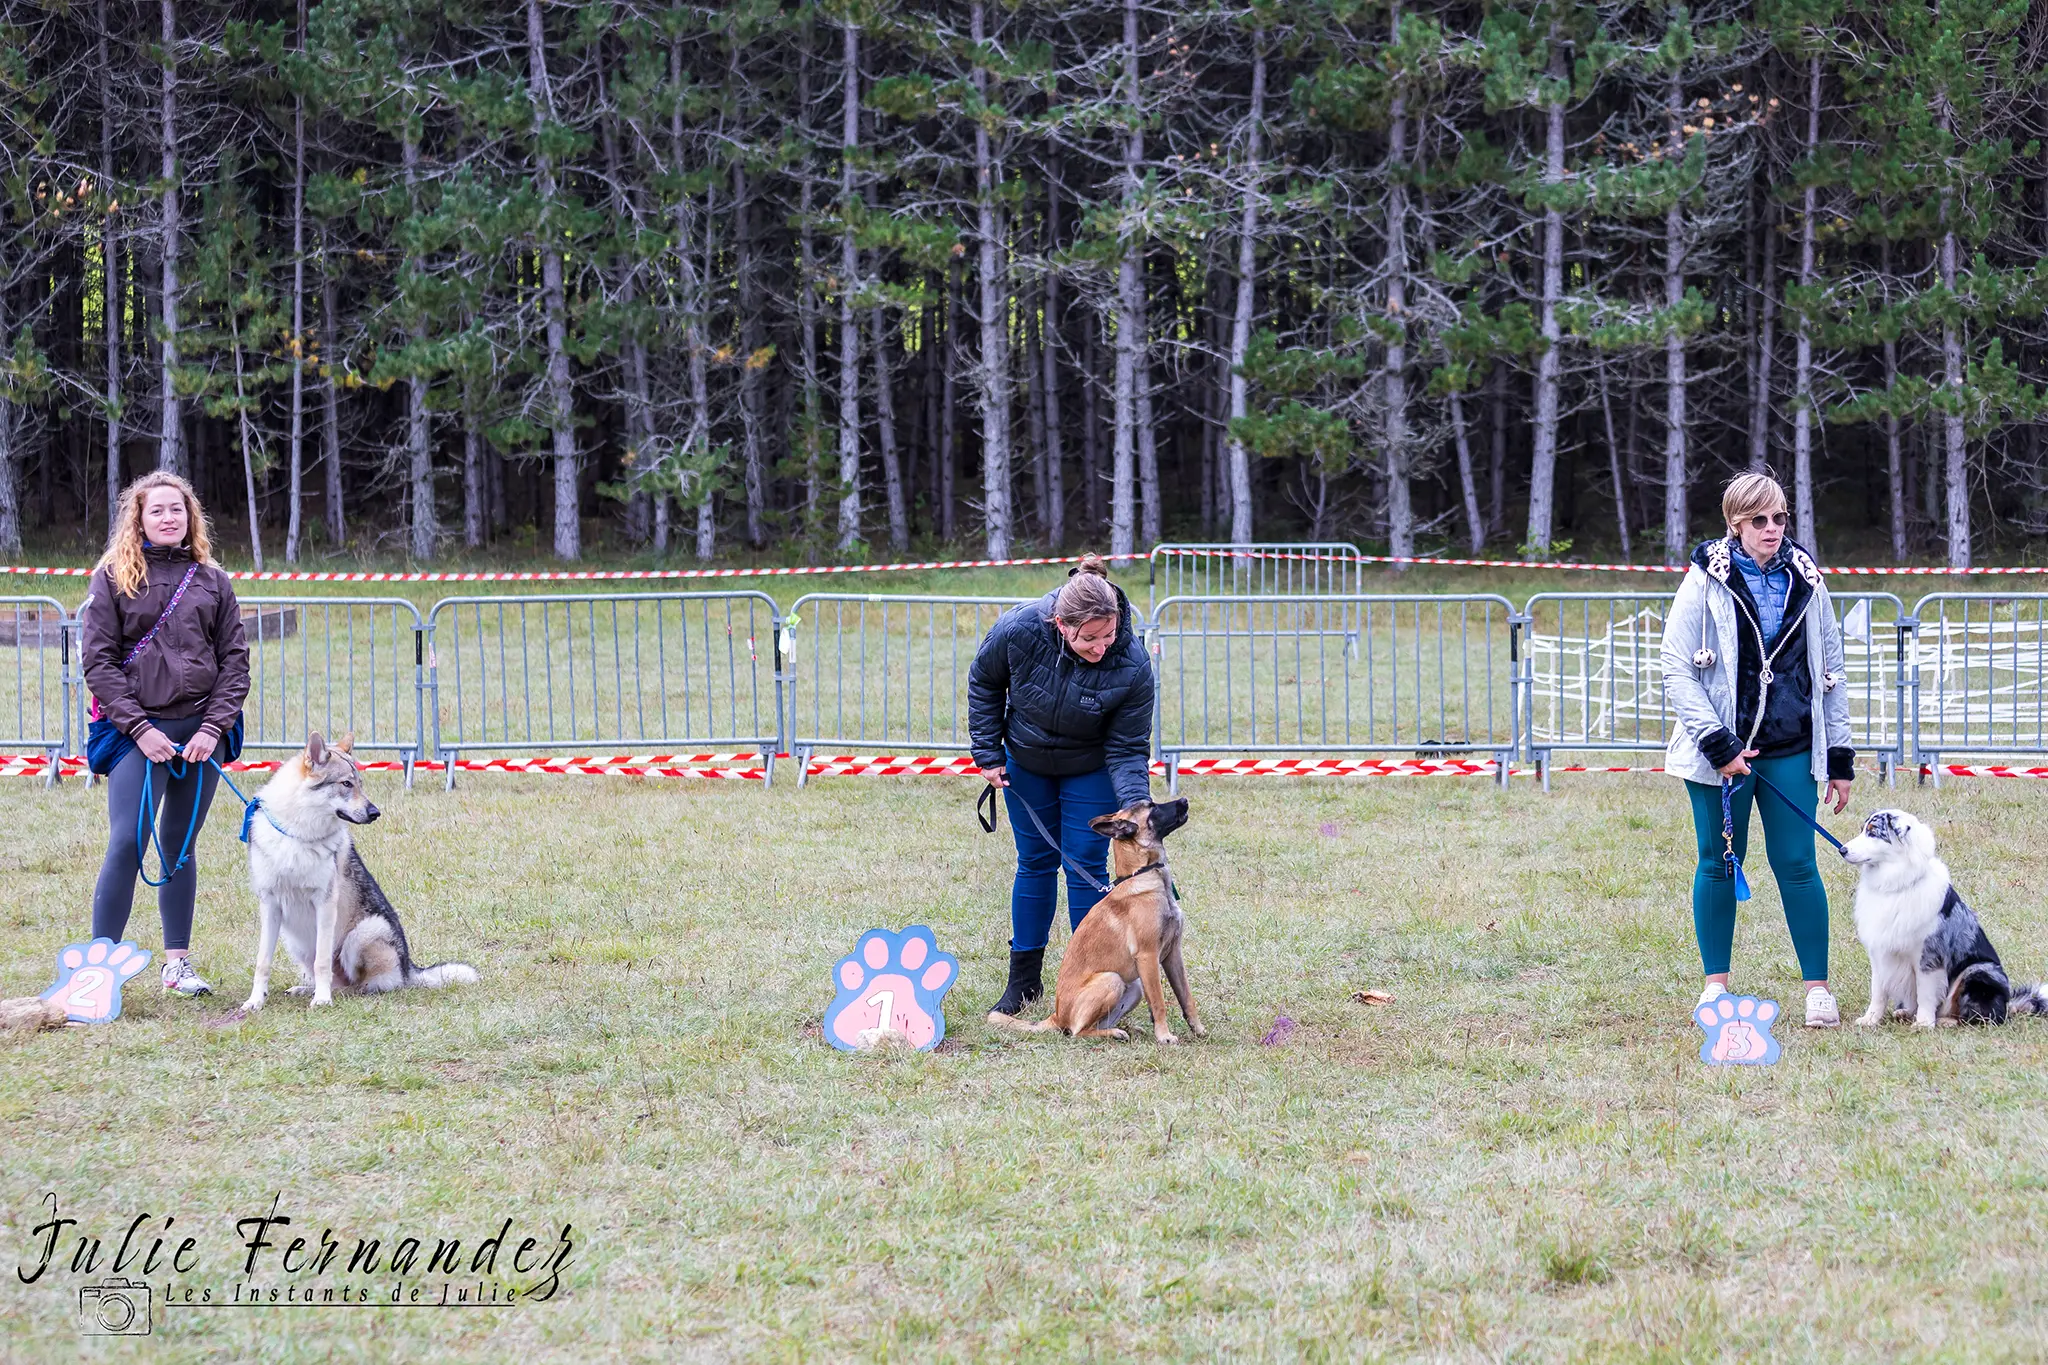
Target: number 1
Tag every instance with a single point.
(883, 1011)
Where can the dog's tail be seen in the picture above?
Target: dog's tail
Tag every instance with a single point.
(2028, 1000)
(1012, 1024)
(443, 974)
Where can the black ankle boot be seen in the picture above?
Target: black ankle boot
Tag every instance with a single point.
(1025, 986)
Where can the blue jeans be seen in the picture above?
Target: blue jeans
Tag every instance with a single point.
(1065, 805)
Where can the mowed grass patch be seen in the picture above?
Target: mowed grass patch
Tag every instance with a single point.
(1521, 1157)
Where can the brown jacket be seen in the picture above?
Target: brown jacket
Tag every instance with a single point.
(198, 664)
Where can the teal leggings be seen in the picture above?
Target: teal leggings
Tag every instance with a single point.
(1789, 842)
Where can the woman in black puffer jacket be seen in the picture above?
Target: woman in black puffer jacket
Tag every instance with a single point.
(1059, 706)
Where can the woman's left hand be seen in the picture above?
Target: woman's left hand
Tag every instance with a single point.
(199, 748)
(1838, 794)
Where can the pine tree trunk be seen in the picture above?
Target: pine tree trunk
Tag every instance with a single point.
(1246, 305)
(993, 371)
(1049, 373)
(248, 453)
(1895, 474)
(807, 306)
(1033, 394)
(1468, 484)
(638, 401)
(115, 293)
(1956, 470)
(1130, 320)
(750, 372)
(426, 518)
(1091, 439)
(1543, 457)
(1400, 512)
(1802, 403)
(1677, 479)
(10, 458)
(330, 428)
(561, 396)
(949, 441)
(885, 430)
(171, 443)
(475, 477)
(295, 512)
(1148, 454)
(1614, 467)
(849, 275)
(1497, 503)
(1766, 346)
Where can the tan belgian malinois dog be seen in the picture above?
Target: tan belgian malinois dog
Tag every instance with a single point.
(1125, 941)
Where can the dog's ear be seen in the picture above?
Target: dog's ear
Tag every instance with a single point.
(316, 748)
(1113, 826)
(347, 743)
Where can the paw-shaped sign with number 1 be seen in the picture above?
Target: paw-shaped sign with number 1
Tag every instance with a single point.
(90, 977)
(1738, 1031)
(891, 985)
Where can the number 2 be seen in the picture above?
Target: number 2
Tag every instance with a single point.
(87, 995)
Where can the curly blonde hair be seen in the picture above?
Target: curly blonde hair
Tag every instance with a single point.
(123, 559)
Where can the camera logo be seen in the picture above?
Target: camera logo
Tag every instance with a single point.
(114, 1308)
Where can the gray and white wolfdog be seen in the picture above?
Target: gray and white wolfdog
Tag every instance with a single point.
(313, 889)
(1929, 955)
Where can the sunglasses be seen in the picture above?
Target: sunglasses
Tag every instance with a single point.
(1778, 519)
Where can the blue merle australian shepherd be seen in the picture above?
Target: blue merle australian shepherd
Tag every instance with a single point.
(1929, 956)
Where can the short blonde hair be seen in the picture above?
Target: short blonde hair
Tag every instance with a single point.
(1749, 495)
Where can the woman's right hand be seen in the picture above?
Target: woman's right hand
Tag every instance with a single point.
(155, 746)
(995, 777)
(1738, 766)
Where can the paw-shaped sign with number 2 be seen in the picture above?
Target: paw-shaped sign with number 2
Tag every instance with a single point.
(90, 977)
(1738, 1031)
(889, 985)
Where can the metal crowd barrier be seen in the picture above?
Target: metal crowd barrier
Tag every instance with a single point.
(883, 672)
(605, 672)
(38, 663)
(1428, 676)
(339, 665)
(1309, 568)
(1973, 675)
(1253, 673)
(1592, 674)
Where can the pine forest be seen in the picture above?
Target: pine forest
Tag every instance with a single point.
(843, 279)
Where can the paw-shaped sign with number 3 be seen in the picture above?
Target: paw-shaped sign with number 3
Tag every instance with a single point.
(891, 984)
(1738, 1031)
(90, 977)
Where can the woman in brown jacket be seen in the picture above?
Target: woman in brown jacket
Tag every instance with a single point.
(165, 662)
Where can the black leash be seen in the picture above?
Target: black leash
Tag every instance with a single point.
(985, 811)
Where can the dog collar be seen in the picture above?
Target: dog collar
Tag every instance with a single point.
(1148, 867)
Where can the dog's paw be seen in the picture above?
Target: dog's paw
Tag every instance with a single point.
(322, 998)
(303, 988)
(891, 984)
(1164, 1038)
(1869, 1020)
(252, 1004)
(1738, 1029)
(90, 977)
(1198, 1030)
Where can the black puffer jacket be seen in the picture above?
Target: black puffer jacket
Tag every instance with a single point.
(1057, 713)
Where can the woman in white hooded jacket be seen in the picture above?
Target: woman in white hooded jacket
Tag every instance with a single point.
(1753, 669)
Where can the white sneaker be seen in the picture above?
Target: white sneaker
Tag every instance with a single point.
(1821, 1009)
(180, 979)
(1714, 991)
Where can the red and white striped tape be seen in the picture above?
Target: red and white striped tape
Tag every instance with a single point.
(810, 570)
(747, 766)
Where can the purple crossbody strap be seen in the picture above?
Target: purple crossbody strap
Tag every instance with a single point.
(176, 597)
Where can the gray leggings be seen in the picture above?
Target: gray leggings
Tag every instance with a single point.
(114, 896)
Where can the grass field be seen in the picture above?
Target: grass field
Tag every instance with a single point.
(1520, 1159)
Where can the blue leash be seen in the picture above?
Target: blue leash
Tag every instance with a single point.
(145, 822)
(1728, 828)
